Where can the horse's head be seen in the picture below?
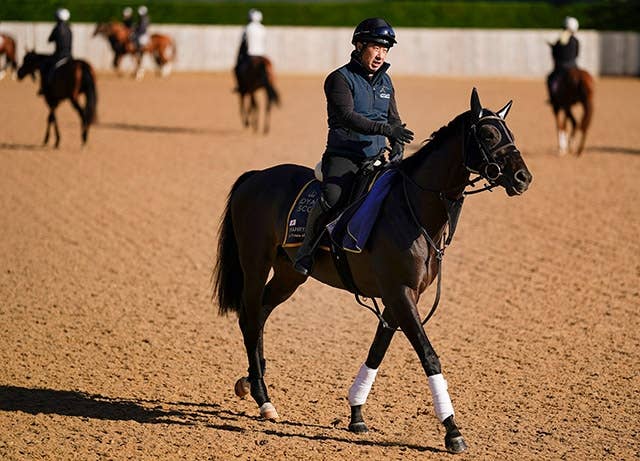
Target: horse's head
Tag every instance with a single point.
(30, 64)
(491, 151)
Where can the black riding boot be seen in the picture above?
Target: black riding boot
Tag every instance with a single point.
(318, 218)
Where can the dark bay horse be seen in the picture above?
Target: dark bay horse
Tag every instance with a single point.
(254, 73)
(574, 86)
(69, 81)
(8, 50)
(398, 264)
(161, 47)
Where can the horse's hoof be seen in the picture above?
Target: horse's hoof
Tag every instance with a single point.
(358, 428)
(242, 387)
(268, 411)
(455, 444)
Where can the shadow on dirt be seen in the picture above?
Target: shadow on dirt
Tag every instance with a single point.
(612, 150)
(158, 128)
(10, 146)
(96, 406)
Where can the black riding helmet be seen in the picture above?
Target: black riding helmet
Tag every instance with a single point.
(374, 30)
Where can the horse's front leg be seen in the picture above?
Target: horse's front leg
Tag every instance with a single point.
(253, 111)
(139, 74)
(359, 390)
(403, 304)
(561, 126)
(244, 116)
(51, 120)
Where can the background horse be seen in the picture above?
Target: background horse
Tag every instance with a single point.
(256, 73)
(398, 263)
(575, 86)
(8, 49)
(161, 47)
(70, 80)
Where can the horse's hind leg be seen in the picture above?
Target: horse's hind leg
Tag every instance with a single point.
(83, 119)
(584, 124)
(256, 263)
(267, 115)
(282, 285)
(359, 390)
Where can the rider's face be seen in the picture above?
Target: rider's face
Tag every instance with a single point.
(372, 56)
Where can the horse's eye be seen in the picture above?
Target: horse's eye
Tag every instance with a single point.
(490, 135)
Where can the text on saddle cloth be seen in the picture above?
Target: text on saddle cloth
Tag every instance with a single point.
(352, 228)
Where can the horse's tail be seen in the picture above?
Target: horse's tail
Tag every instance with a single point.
(227, 275)
(267, 75)
(585, 87)
(89, 88)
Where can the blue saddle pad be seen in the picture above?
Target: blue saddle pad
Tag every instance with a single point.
(351, 229)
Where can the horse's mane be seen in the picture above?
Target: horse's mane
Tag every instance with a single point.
(434, 141)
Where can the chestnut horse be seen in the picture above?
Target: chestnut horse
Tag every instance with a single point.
(70, 79)
(254, 73)
(400, 260)
(573, 86)
(8, 49)
(161, 47)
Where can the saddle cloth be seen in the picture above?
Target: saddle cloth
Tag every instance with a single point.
(351, 229)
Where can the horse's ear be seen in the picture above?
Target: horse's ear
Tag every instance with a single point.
(476, 107)
(502, 113)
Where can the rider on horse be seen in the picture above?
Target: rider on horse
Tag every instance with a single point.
(62, 37)
(252, 44)
(564, 52)
(362, 113)
(140, 36)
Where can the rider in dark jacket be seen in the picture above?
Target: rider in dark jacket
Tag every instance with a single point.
(62, 37)
(362, 115)
(564, 52)
(140, 34)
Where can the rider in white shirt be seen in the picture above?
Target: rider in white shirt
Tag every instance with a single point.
(252, 44)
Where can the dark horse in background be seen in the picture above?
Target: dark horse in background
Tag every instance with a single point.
(253, 73)
(160, 46)
(397, 265)
(570, 87)
(69, 81)
(8, 50)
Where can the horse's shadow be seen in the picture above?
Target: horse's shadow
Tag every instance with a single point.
(17, 146)
(96, 406)
(613, 150)
(166, 129)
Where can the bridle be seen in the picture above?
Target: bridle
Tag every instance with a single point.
(490, 169)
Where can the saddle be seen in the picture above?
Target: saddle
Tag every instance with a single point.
(350, 229)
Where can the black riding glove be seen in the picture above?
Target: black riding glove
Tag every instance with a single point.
(397, 150)
(398, 133)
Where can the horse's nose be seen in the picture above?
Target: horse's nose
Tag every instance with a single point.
(523, 177)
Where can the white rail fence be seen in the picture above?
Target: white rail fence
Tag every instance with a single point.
(317, 50)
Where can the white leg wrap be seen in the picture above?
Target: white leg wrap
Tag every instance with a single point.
(563, 141)
(359, 390)
(441, 400)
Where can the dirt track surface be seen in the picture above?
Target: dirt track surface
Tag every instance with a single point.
(111, 349)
